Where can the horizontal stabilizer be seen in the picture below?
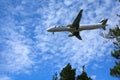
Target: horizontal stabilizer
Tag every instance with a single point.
(104, 23)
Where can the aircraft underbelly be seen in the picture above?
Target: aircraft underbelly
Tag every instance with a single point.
(61, 29)
(82, 27)
(90, 27)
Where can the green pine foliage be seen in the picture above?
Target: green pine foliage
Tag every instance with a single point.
(115, 71)
(55, 77)
(83, 76)
(68, 73)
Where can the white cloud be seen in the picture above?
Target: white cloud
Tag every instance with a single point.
(93, 77)
(69, 2)
(16, 53)
(5, 78)
(92, 47)
(26, 39)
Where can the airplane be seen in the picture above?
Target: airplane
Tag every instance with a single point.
(75, 28)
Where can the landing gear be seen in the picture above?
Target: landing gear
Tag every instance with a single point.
(53, 33)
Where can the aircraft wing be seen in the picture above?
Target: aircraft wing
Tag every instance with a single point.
(77, 35)
(77, 19)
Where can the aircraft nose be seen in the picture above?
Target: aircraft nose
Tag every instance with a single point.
(48, 30)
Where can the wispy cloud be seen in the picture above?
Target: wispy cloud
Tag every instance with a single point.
(5, 78)
(15, 53)
(77, 52)
(25, 42)
(93, 77)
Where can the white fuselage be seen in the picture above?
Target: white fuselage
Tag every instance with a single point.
(82, 27)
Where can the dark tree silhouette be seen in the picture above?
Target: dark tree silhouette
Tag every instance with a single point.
(115, 71)
(55, 77)
(83, 75)
(67, 73)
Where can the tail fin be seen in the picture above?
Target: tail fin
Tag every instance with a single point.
(104, 23)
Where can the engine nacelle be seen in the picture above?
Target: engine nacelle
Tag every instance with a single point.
(70, 35)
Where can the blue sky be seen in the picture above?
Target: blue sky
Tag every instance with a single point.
(29, 52)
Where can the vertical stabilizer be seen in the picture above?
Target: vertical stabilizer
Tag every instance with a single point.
(104, 23)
